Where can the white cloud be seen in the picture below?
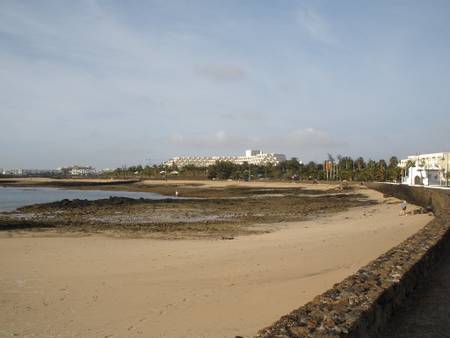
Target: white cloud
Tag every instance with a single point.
(221, 73)
(308, 139)
(216, 142)
(316, 26)
(221, 136)
(250, 116)
(312, 138)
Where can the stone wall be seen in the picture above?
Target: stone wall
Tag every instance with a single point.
(435, 199)
(361, 304)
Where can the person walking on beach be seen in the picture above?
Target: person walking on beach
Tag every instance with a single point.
(403, 208)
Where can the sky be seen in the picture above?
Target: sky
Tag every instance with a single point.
(113, 83)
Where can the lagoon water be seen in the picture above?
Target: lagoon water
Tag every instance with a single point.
(15, 197)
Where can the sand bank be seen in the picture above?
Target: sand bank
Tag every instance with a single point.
(251, 184)
(198, 183)
(105, 287)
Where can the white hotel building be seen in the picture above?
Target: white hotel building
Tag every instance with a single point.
(256, 157)
(426, 169)
(77, 170)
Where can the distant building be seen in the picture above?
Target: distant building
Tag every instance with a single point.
(77, 170)
(40, 172)
(256, 157)
(12, 172)
(104, 171)
(426, 169)
(29, 172)
(82, 171)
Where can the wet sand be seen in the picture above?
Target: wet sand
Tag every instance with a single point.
(149, 182)
(252, 184)
(104, 287)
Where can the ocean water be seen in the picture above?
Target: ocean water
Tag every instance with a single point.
(15, 197)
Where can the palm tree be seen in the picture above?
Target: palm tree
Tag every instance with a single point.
(360, 164)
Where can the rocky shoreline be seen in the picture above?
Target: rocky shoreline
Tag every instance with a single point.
(226, 212)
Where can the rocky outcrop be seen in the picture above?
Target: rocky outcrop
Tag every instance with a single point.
(110, 202)
(361, 304)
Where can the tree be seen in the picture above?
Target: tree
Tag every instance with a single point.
(360, 164)
(393, 171)
(293, 166)
(311, 170)
(222, 169)
(345, 167)
(393, 161)
(380, 174)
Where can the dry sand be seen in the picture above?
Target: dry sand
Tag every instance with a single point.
(105, 287)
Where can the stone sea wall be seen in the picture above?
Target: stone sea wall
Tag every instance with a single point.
(435, 199)
(361, 304)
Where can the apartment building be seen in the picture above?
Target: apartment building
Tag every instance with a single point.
(255, 157)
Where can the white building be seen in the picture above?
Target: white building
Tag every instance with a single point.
(12, 172)
(426, 169)
(256, 157)
(77, 170)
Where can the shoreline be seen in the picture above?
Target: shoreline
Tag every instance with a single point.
(225, 214)
(193, 188)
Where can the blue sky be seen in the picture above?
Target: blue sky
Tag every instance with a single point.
(109, 83)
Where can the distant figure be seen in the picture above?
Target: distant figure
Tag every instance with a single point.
(403, 206)
(176, 193)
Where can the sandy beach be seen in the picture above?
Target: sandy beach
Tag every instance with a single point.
(104, 287)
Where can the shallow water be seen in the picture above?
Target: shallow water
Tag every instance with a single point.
(12, 198)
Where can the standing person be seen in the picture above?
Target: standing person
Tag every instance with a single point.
(403, 206)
